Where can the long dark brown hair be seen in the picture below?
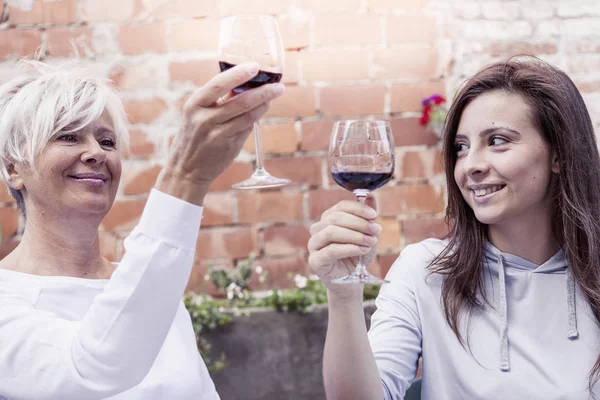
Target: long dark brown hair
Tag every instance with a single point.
(562, 117)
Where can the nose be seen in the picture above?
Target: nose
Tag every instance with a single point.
(475, 163)
(93, 153)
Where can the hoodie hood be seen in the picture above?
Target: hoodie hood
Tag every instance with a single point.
(557, 264)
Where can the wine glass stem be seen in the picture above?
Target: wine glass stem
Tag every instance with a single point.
(361, 268)
(258, 148)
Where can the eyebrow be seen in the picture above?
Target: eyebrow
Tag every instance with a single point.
(104, 129)
(487, 131)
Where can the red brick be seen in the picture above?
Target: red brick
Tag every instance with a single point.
(143, 181)
(409, 132)
(321, 200)
(295, 33)
(197, 282)
(423, 164)
(140, 74)
(5, 196)
(109, 246)
(139, 145)
(335, 65)
(112, 10)
(19, 42)
(270, 206)
(124, 215)
(408, 96)
(417, 230)
(268, 7)
(410, 28)
(280, 272)
(291, 68)
(286, 240)
(351, 30)
(390, 236)
(389, 5)
(227, 243)
(183, 8)
(582, 46)
(218, 209)
(385, 262)
(9, 221)
(318, 6)
(504, 49)
(409, 200)
(197, 72)
(44, 12)
(583, 64)
(408, 63)
(587, 86)
(6, 247)
(236, 172)
(301, 170)
(60, 40)
(198, 35)
(352, 100)
(143, 38)
(316, 135)
(297, 101)
(144, 111)
(276, 139)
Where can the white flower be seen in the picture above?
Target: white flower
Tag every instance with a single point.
(300, 281)
(270, 293)
(207, 277)
(221, 309)
(279, 293)
(259, 269)
(261, 279)
(232, 286)
(229, 294)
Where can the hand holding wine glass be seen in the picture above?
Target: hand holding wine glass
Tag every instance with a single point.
(361, 159)
(253, 38)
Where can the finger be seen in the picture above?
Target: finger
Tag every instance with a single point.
(352, 207)
(351, 221)
(335, 252)
(247, 101)
(371, 202)
(338, 234)
(221, 85)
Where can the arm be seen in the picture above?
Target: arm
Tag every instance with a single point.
(114, 346)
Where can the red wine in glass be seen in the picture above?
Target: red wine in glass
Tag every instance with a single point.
(262, 78)
(368, 181)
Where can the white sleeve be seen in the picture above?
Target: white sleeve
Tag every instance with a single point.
(395, 332)
(113, 347)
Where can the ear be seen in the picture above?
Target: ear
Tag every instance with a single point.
(15, 179)
(555, 164)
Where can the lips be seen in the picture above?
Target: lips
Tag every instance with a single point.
(90, 176)
(480, 192)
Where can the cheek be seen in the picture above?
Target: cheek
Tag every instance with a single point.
(459, 176)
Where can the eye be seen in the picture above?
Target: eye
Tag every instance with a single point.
(497, 141)
(67, 137)
(460, 147)
(108, 142)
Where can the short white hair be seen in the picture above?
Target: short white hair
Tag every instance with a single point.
(45, 100)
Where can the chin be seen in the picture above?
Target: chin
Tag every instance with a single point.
(488, 217)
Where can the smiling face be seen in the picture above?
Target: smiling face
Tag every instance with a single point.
(76, 172)
(503, 166)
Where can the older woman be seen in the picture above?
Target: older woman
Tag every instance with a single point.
(73, 325)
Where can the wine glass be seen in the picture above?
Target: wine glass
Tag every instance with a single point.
(361, 160)
(253, 38)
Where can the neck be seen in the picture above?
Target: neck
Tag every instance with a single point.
(60, 246)
(531, 238)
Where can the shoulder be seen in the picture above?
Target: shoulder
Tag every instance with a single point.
(415, 259)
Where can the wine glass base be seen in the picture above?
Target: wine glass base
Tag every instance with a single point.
(262, 181)
(354, 279)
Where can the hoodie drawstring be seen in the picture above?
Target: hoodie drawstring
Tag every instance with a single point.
(571, 309)
(504, 362)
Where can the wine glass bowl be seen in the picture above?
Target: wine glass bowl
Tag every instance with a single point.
(361, 160)
(256, 38)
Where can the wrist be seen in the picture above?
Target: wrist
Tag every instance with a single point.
(178, 185)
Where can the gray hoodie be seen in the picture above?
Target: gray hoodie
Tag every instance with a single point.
(538, 340)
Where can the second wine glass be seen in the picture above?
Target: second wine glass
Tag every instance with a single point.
(361, 160)
(255, 38)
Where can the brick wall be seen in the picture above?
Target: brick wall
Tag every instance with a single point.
(345, 58)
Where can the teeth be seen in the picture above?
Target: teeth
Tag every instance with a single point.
(483, 192)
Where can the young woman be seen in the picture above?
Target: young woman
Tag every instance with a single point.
(73, 325)
(508, 305)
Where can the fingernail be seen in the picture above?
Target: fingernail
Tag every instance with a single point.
(279, 89)
(370, 240)
(375, 228)
(253, 68)
(370, 213)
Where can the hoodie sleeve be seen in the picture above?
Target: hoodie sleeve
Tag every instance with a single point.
(395, 332)
(113, 347)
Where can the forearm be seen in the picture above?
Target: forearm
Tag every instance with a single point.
(349, 368)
